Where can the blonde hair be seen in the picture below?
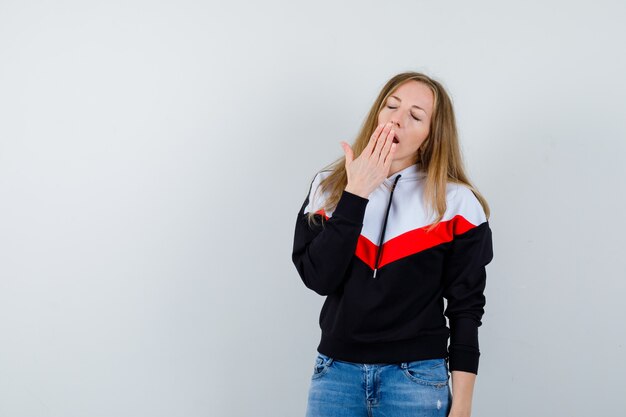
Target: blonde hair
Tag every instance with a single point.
(439, 155)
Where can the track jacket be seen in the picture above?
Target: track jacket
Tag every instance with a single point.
(385, 277)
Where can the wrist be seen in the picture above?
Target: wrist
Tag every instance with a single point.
(356, 191)
(460, 408)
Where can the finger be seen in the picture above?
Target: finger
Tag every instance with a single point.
(388, 143)
(372, 142)
(370, 145)
(386, 135)
(389, 158)
(348, 152)
(380, 141)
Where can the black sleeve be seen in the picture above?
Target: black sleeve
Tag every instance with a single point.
(464, 283)
(322, 253)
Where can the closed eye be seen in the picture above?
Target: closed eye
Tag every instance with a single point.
(389, 107)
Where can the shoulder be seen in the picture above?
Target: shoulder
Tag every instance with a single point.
(318, 177)
(315, 200)
(462, 202)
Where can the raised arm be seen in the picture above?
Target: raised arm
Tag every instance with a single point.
(322, 253)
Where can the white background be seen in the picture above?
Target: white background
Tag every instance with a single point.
(154, 155)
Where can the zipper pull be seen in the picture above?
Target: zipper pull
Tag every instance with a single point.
(375, 270)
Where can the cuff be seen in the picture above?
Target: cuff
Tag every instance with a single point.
(463, 360)
(464, 350)
(351, 207)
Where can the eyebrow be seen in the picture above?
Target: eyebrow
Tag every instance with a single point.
(397, 98)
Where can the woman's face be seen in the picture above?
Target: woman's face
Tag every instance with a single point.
(409, 108)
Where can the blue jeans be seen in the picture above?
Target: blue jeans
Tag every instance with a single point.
(347, 389)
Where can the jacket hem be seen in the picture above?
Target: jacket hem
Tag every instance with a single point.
(398, 351)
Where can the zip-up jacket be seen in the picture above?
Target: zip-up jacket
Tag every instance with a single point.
(385, 277)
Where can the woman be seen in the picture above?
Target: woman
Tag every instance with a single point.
(386, 236)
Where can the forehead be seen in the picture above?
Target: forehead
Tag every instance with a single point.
(414, 92)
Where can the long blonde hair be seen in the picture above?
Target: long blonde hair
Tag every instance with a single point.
(439, 155)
